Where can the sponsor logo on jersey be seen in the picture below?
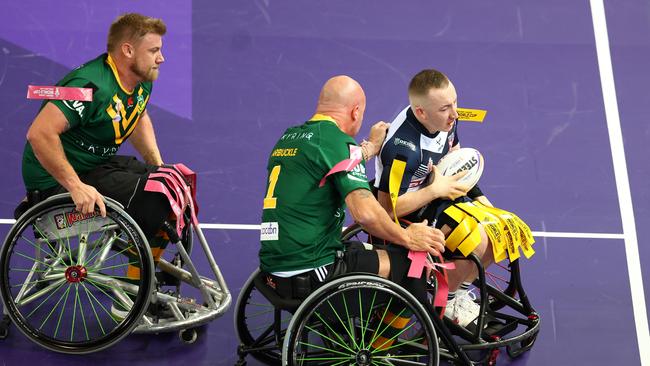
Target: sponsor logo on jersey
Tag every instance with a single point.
(408, 144)
(297, 136)
(269, 231)
(358, 173)
(76, 106)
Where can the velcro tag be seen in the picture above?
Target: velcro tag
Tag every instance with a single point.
(59, 93)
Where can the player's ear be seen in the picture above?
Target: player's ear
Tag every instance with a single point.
(128, 50)
(419, 112)
(356, 113)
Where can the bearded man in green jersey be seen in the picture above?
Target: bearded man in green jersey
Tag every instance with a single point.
(307, 193)
(72, 145)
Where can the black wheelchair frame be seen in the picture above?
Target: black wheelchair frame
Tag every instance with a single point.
(507, 320)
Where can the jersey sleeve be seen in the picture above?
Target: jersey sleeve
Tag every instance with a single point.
(389, 153)
(76, 112)
(344, 181)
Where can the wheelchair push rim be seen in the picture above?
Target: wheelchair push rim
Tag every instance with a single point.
(62, 272)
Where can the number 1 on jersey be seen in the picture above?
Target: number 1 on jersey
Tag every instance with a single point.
(269, 200)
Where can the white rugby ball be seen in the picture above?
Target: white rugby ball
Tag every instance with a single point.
(462, 159)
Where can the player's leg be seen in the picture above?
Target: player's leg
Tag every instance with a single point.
(123, 178)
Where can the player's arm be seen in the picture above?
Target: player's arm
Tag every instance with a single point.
(44, 137)
(372, 147)
(440, 187)
(143, 139)
(368, 213)
(475, 193)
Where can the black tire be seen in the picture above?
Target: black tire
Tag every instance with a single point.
(254, 323)
(340, 321)
(62, 271)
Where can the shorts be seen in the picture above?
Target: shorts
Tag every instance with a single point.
(123, 178)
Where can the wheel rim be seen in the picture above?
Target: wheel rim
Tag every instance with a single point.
(353, 324)
(254, 323)
(62, 272)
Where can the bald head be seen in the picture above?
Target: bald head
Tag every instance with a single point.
(343, 99)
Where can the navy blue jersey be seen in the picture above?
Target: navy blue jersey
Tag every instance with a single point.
(409, 140)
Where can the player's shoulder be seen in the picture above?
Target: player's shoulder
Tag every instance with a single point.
(88, 75)
(91, 70)
(402, 134)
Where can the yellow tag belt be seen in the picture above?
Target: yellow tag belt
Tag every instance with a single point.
(506, 231)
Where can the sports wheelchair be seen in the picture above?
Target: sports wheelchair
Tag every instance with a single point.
(340, 322)
(63, 272)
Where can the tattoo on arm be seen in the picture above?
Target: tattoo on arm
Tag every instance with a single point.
(364, 193)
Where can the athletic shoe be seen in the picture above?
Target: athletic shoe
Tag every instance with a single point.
(462, 309)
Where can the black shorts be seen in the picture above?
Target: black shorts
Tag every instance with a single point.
(123, 178)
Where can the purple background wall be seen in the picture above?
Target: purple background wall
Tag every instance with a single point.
(238, 73)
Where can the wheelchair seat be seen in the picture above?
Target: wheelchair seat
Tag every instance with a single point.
(261, 283)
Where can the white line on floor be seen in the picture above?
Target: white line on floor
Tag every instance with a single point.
(622, 182)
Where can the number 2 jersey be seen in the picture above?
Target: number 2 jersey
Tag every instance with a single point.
(302, 222)
(96, 129)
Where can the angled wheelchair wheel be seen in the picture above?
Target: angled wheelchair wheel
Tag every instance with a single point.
(353, 320)
(63, 275)
(260, 326)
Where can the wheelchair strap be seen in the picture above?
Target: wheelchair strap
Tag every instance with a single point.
(185, 195)
(345, 165)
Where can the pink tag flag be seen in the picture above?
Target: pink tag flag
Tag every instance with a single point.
(59, 93)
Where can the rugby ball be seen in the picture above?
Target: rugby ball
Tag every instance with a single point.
(462, 159)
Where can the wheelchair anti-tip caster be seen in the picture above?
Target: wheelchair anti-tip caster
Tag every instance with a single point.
(188, 336)
(4, 326)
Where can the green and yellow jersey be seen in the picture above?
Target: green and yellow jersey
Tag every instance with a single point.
(302, 222)
(97, 128)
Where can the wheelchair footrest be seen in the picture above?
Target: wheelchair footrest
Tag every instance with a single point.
(499, 328)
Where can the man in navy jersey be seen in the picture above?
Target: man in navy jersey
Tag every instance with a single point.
(420, 136)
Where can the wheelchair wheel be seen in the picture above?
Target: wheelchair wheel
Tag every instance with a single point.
(62, 273)
(502, 279)
(255, 324)
(347, 321)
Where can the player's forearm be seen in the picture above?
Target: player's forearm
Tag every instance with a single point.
(407, 202)
(49, 152)
(366, 211)
(143, 139)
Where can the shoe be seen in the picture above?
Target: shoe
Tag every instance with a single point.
(462, 309)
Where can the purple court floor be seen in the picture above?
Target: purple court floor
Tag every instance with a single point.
(565, 139)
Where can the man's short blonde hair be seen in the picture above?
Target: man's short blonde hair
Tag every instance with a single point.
(133, 27)
(426, 80)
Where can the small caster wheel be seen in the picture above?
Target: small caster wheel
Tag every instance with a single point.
(4, 327)
(188, 336)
